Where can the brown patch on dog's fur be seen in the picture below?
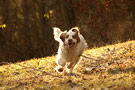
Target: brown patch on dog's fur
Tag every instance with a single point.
(62, 36)
(76, 29)
(76, 36)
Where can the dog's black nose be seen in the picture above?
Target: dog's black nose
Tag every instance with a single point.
(70, 40)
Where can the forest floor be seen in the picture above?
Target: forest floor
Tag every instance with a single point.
(104, 68)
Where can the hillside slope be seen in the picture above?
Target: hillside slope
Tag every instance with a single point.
(109, 67)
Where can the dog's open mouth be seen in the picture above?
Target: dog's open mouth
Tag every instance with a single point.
(71, 44)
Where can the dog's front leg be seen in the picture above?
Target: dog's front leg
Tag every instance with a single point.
(60, 66)
(70, 68)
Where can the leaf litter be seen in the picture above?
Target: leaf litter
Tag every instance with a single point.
(109, 67)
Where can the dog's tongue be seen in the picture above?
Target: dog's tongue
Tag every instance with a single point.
(70, 45)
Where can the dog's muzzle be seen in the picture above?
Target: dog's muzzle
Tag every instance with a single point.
(70, 43)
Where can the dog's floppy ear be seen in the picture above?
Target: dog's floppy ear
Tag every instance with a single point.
(56, 32)
(63, 35)
(76, 29)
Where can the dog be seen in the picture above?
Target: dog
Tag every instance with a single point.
(71, 46)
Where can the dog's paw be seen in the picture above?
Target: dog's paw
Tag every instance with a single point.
(59, 69)
(69, 71)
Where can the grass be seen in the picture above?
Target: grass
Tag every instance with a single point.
(109, 67)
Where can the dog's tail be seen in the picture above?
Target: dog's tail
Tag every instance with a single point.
(56, 32)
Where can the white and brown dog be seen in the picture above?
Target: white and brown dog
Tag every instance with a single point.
(71, 46)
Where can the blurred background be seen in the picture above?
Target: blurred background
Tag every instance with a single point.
(26, 25)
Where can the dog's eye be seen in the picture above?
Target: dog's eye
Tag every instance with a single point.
(67, 36)
(73, 36)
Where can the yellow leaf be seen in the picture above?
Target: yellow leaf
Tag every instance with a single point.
(3, 26)
(46, 15)
(51, 11)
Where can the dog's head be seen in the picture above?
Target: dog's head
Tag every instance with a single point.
(70, 38)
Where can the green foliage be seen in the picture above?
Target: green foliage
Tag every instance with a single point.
(109, 67)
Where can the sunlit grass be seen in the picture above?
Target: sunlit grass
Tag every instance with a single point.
(109, 67)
